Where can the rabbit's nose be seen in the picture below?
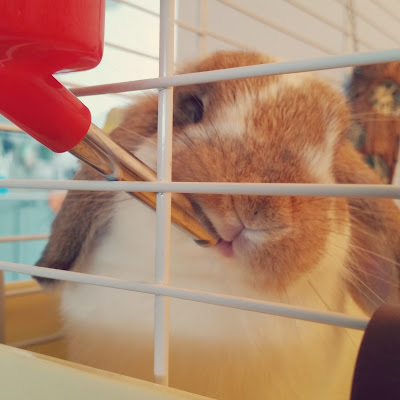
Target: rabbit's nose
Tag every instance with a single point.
(264, 212)
(228, 231)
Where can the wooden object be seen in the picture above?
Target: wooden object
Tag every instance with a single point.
(116, 163)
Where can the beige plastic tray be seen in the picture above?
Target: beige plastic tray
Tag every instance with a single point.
(26, 375)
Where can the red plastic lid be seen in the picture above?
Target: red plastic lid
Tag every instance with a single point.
(37, 39)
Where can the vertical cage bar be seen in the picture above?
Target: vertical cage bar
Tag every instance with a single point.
(163, 213)
(203, 27)
(2, 309)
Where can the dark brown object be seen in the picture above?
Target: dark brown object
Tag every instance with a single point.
(377, 372)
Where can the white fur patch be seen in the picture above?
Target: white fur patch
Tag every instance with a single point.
(257, 237)
(319, 162)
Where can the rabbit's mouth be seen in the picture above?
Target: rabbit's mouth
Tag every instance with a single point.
(225, 248)
(225, 243)
(239, 244)
(232, 238)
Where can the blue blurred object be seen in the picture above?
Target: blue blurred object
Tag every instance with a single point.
(3, 190)
(23, 216)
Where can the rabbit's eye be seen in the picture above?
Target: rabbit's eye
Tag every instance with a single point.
(189, 109)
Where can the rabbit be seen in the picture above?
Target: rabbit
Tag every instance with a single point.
(326, 253)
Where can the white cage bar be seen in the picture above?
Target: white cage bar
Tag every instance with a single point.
(163, 211)
(270, 189)
(242, 303)
(316, 64)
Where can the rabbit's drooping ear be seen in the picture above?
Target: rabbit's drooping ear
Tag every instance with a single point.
(373, 267)
(83, 217)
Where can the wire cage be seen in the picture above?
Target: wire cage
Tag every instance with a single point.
(354, 35)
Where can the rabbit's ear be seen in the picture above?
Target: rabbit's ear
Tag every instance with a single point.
(139, 122)
(82, 217)
(375, 235)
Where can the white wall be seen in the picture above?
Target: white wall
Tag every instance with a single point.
(291, 29)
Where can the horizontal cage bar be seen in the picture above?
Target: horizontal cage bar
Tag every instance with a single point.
(287, 67)
(271, 189)
(241, 303)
